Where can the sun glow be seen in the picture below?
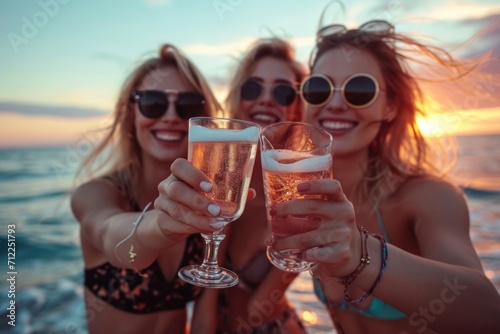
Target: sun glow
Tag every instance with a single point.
(310, 317)
(21, 130)
(460, 122)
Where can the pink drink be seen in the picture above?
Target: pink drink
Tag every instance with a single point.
(283, 170)
(227, 158)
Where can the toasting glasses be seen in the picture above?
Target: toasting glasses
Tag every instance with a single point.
(223, 149)
(292, 153)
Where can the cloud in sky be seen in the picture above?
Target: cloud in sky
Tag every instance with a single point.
(206, 49)
(488, 39)
(481, 89)
(237, 47)
(445, 10)
(50, 110)
(464, 11)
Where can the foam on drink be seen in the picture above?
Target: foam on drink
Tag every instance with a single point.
(275, 161)
(201, 134)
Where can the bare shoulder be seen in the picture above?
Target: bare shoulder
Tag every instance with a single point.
(433, 204)
(95, 195)
(440, 220)
(430, 191)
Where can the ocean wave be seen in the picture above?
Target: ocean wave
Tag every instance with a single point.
(33, 197)
(480, 193)
(53, 307)
(20, 174)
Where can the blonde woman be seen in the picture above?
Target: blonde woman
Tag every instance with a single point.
(416, 270)
(264, 90)
(132, 250)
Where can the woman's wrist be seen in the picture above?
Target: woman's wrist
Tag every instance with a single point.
(149, 235)
(369, 275)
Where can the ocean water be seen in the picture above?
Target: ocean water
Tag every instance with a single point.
(45, 280)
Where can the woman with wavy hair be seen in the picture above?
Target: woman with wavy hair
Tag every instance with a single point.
(132, 250)
(263, 89)
(393, 249)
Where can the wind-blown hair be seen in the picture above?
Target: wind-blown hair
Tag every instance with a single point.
(399, 151)
(268, 47)
(119, 153)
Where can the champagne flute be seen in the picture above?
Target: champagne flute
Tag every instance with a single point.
(292, 153)
(223, 149)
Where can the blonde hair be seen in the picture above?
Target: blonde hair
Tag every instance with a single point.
(267, 47)
(399, 151)
(118, 154)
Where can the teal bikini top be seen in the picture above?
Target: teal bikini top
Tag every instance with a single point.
(377, 309)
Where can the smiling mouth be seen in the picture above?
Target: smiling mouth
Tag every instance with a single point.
(264, 117)
(338, 125)
(168, 136)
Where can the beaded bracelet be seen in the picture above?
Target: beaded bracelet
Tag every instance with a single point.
(363, 261)
(383, 265)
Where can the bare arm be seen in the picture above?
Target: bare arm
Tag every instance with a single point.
(205, 313)
(446, 278)
(446, 287)
(105, 220)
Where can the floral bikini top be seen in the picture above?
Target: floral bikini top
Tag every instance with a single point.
(148, 291)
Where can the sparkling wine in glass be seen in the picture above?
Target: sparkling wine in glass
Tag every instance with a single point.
(292, 153)
(223, 149)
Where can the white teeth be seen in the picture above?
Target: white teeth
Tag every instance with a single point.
(168, 136)
(264, 118)
(337, 125)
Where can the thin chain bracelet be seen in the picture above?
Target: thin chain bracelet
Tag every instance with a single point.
(132, 254)
(383, 265)
(364, 260)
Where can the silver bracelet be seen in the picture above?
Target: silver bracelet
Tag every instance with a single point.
(132, 254)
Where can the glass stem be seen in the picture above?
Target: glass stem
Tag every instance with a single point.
(209, 268)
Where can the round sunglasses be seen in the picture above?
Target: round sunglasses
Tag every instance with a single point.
(282, 94)
(358, 91)
(155, 103)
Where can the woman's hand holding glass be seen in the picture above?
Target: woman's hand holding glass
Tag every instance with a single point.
(224, 150)
(335, 244)
(181, 199)
(292, 153)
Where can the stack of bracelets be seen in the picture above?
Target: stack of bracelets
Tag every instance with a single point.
(364, 261)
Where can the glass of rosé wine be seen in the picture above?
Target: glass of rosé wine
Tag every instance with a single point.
(224, 149)
(292, 153)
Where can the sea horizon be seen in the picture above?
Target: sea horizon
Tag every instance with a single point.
(35, 184)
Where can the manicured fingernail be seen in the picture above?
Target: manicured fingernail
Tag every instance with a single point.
(303, 187)
(217, 225)
(273, 210)
(213, 209)
(205, 186)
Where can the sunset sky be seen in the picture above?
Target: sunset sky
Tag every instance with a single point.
(62, 62)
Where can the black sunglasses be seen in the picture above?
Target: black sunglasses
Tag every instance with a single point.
(358, 91)
(282, 94)
(154, 103)
(374, 27)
